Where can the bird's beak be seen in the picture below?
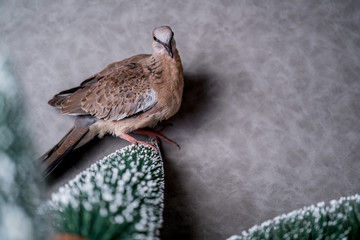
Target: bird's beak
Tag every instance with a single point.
(169, 49)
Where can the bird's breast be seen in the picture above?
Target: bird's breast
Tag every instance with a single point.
(166, 79)
(169, 91)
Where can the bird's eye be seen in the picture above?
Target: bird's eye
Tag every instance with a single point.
(155, 38)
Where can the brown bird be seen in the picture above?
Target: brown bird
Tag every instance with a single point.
(125, 97)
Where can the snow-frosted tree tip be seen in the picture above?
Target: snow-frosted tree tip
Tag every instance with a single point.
(119, 197)
(339, 220)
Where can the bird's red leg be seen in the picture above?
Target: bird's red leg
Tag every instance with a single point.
(136, 142)
(156, 135)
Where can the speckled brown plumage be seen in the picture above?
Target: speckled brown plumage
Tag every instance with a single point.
(120, 90)
(127, 95)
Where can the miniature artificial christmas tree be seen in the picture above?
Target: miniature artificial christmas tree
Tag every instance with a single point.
(119, 197)
(20, 181)
(340, 220)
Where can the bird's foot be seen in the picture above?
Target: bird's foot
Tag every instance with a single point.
(136, 142)
(156, 135)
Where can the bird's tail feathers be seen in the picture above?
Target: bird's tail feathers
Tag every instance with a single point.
(51, 159)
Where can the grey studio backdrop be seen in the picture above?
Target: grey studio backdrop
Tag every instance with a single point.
(270, 114)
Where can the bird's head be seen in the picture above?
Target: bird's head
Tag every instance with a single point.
(163, 41)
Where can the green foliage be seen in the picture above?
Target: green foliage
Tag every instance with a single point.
(340, 220)
(119, 197)
(20, 180)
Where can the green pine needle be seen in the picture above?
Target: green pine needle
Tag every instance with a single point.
(340, 220)
(119, 197)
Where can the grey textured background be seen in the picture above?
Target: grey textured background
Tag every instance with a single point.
(270, 114)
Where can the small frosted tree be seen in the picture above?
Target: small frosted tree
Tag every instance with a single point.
(20, 178)
(119, 197)
(339, 220)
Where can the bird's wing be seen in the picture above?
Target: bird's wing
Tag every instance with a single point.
(61, 97)
(115, 94)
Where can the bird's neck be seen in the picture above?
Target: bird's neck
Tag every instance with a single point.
(165, 58)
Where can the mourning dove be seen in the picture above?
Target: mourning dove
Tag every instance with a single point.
(125, 97)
